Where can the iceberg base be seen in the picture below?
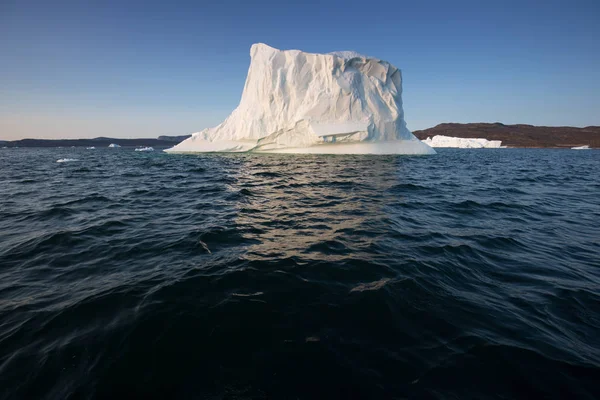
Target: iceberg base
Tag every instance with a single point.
(415, 147)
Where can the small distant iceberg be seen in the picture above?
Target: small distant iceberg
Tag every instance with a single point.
(586, 147)
(66, 160)
(463, 143)
(91, 148)
(144, 149)
(113, 145)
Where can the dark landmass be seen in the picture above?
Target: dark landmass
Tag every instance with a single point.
(166, 141)
(176, 139)
(511, 135)
(519, 135)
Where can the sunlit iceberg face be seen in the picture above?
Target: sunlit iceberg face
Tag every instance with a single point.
(296, 102)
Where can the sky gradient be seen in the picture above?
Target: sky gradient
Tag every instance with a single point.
(144, 68)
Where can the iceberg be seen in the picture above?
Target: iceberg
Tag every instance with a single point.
(463, 143)
(113, 145)
(297, 102)
(585, 147)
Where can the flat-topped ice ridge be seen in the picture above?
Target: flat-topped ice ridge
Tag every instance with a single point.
(464, 143)
(297, 102)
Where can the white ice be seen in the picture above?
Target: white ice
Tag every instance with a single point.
(463, 143)
(144, 149)
(296, 102)
(62, 160)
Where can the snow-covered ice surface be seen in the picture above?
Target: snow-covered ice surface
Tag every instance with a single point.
(464, 143)
(296, 102)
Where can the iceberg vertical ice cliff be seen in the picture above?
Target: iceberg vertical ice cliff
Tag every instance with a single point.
(296, 102)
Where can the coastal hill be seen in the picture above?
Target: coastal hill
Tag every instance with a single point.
(161, 141)
(519, 135)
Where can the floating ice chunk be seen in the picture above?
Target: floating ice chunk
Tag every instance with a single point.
(463, 143)
(113, 145)
(91, 148)
(586, 147)
(296, 102)
(144, 149)
(62, 160)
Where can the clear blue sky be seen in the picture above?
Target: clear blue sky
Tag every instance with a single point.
(146, 68)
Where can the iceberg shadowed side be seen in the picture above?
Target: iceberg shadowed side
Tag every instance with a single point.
(296, 102)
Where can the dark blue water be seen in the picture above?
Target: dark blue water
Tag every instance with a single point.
(469, 274)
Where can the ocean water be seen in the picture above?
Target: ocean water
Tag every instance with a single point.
(469, 274)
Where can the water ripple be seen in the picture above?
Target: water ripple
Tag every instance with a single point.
(470, 274)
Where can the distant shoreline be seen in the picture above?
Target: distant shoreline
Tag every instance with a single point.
(166, 141)
(519, 136)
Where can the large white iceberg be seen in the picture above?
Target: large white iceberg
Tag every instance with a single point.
(296, 102)
(463, 143)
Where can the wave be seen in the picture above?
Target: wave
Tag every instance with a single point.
(248, 276)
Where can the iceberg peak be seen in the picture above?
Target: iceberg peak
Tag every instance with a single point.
(298, 102)
(261, 48)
